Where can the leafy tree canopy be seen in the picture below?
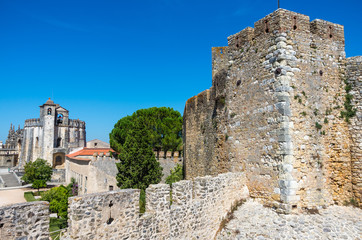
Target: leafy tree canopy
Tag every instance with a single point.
(37, 173)
(39, 184)
(163, 126)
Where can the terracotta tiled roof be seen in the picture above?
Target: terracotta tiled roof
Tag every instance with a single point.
(81, 159)
(89, 152)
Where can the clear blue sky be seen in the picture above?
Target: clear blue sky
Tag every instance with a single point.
(102, 60)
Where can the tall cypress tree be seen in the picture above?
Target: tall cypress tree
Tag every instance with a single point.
(138, 167)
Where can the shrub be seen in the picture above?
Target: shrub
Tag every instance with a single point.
(176, 175)
(349, 110)
(58, 200)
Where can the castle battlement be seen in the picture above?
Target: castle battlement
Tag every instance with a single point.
(273, 111)
(33, 122)
(76, 123)
(201, 203)
(205, 200)
(283, 20)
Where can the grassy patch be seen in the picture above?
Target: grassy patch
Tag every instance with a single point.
(29, 197)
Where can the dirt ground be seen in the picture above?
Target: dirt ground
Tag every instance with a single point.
(13, 196)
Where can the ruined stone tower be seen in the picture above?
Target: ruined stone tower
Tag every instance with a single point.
(52, 135)
(280, 110)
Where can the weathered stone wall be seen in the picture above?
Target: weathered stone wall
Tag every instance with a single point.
(321, 151)
(95, 175)
(196, 212)
(102, 174)
(58, 176)
(241, 124)
(354, 77)
(96, 143)
(167, 165)
(273, 111)
(77, 169)
(25, 221)
(8, 157)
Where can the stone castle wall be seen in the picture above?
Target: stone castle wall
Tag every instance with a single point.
(273, 112)
(25, 221)
(196, 211)
(92, 176)
(188, 210)
(354, 77)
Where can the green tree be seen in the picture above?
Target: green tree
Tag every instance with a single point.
(163, 126)
(39, 184)
(138, 167)
(176, 175)
(37, 173)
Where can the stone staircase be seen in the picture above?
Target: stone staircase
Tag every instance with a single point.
(10, 180)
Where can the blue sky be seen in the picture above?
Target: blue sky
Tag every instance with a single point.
(102, 60)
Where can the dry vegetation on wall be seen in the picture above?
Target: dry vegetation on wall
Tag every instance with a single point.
(229, 216)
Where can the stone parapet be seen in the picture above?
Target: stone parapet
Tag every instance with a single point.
(190, 209)
(25, 221)
(76, 123)
(34, 122)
